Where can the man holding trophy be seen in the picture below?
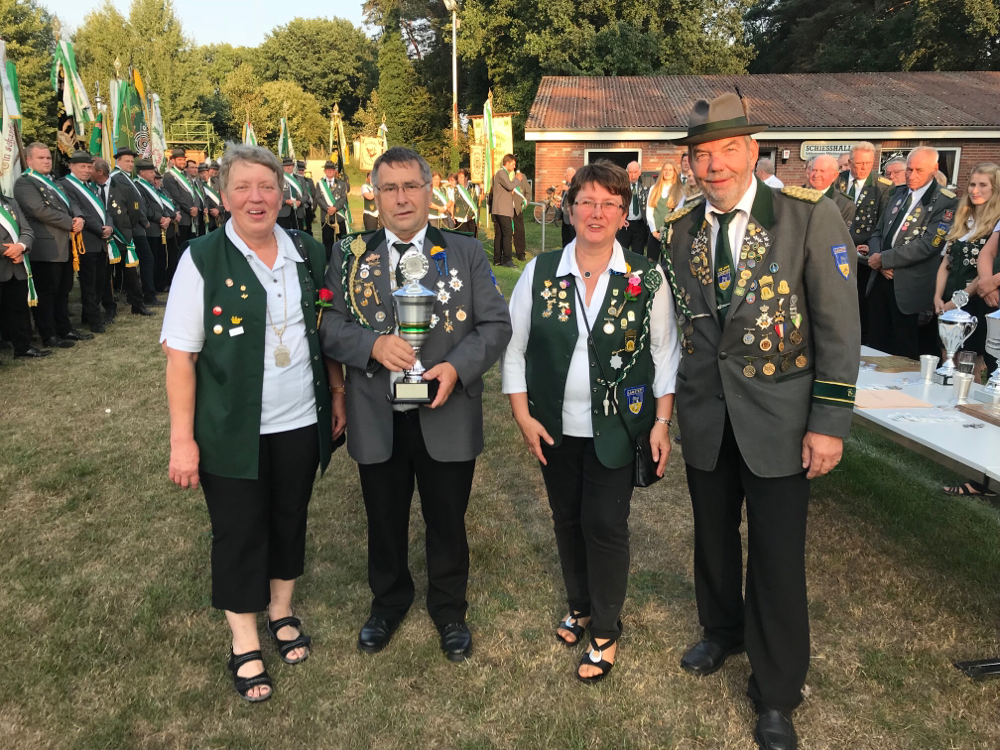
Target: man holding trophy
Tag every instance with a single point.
(417, 319)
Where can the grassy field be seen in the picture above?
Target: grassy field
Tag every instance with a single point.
(112, 643)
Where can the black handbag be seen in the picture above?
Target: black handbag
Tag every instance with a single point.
(644, 468)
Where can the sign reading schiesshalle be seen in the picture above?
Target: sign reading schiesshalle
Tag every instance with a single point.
(832, 148)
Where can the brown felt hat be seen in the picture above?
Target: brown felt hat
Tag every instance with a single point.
(722, 117)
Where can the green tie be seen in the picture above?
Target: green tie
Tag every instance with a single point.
(401, 247)
(850, 193)
(723, 267)
(635, 200)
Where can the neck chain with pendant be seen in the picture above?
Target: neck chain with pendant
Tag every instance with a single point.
(282, 354)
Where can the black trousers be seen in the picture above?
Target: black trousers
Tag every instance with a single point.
(15, 320)
(633, 237)
(93, 276)
(161, 262)
(288, 222)
(259, 525)
(130, 285)
(653, 247)
(518, 239)
(470, 226)
(503, 235)
(444, 497)
(53, 282)
(864, 274)
(568, 232)
(590, 507)
(176, 246)
(371, 222)
(146, 271)
(890, 330)
(330, 237)
(773, 619)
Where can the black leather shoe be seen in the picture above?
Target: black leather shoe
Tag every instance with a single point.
(775, 731)
(456, 641)
(155, 303)
(75, 335)
(97, 328)
(145, 311)
(32, 353)
(54, 342)
(707, 657)
(376, 634)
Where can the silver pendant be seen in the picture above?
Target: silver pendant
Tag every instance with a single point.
(282, 356)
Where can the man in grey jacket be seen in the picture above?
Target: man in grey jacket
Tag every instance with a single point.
(397, 444)
(502, 209)
(16, 239)
(47, 209)
(764, 289)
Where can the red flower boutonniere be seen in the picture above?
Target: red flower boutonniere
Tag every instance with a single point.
(634, 287)
(324, 298)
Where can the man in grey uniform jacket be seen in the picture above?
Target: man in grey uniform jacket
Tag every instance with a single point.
(502, 209)
(764, 290)
(395, 444)
(904, 254)
(16, 238)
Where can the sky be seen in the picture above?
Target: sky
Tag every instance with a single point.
(237, 22)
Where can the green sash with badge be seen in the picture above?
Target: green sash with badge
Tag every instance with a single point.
(621, 337)
(9, 222)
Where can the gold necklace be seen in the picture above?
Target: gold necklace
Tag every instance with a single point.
(282, 354)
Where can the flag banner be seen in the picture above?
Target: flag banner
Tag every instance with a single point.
(488, 143)
(10, 163)
(502, 142)
(249, 137)
(343, 144)
(285, 148)
(372, 147)
(130, 127)
(95, 134)
(384, 132)
(157, 136)
(75, 107)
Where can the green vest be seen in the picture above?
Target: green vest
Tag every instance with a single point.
(230, 369)
(550, 349)
(962, 268)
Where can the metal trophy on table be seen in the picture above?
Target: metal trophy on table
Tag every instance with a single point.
(954, 327)
(414, 306)
(990, 393)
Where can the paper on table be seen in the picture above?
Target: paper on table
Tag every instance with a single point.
(866, 399)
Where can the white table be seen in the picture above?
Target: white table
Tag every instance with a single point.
(973, 452)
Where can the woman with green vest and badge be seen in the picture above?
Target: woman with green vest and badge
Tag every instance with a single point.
(666, 196)
(590, 372)
(251, 410)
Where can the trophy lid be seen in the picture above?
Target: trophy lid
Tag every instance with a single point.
(958, 315)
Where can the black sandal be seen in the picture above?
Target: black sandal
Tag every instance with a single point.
(969, 489)
(284, 647)
(571, 624)
(599, 662)
(244, 685)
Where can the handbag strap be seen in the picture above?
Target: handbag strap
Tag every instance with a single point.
(593, 346)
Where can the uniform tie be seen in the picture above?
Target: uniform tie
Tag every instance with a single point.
(851, 193)
(635, 200)
(904, 209)
(401, 247)
(723, 267)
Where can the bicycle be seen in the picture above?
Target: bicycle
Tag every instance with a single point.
(549, 208)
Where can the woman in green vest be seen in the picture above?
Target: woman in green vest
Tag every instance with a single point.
(665, 196)
(440, 206)
(252, 415)
(590, 367)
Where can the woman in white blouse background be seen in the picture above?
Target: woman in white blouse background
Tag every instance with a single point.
(565, 406)
(666, 195)
(251, 410)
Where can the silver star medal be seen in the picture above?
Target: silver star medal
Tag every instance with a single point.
(455, 283)
(443, 296)
(616, 362)
(434, 320)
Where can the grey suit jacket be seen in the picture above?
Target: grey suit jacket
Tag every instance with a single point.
(522, 184)
(503, 194)
(807, 270)
(868, 208)
(93, 223)
(340, 191)
(49, 218)
(8, 268)
(454, 431)
(844, 204)
(287, 194)
(179, 195)
(915, 256)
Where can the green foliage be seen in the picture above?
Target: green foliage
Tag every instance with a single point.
(408, 106)
(307, 126)
(330, 58)
(241, 91)
(368, 118)
(27, 28)
(831, 36)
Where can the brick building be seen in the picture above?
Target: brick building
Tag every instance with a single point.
(577, 120)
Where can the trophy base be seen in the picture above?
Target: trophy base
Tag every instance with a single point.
(417, 392)
(942, 379)
(986, 395)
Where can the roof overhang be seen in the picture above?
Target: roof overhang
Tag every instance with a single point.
(772, 134)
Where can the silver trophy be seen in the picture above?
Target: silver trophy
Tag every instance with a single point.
(990, 393)
(414, 306)
(954, 327)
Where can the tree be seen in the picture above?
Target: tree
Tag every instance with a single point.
(330, 58)
(27, 30)
(306, 124)
(151, 38)
(367, 119)
(242, 93)
(407, 105)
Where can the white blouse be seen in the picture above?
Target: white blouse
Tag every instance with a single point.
(663, 343)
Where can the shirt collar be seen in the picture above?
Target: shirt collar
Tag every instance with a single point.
(568, 266)
(916, 195)
(745, 204)
(417, 241)
(286, 247)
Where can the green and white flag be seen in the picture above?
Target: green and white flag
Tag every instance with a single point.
(490, 143)
(157, 139)
(384, 131)
(249, 137)
(10, 164)
(130, 120)
(64, 76)
(285, 147)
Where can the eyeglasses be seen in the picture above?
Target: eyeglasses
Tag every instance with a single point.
(409, 189)
(609, 206)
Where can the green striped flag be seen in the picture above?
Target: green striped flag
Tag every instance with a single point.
(490, 143)
(65, 78)
(249, 137)
(285, 147)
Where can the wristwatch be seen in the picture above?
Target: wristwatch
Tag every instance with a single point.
(661, 420)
